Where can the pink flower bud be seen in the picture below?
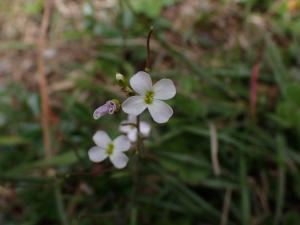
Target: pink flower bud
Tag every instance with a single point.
(110, 107)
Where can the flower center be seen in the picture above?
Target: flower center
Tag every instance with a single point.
(110, 149)
(149, 97)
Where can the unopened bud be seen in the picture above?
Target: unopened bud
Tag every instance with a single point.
(110, 107)
(120, 77)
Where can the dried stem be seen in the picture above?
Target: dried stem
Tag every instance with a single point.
(42, 82)
(45, 106)
(214, 149)
(226, 206)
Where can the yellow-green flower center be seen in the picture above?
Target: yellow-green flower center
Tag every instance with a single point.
(110, 149)
(149, 97)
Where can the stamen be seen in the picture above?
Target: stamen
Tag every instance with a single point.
(110, 149)
(149, 97)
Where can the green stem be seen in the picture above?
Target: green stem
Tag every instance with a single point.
(147, 67)
(136, 171)
(138, 146)
(134, 218)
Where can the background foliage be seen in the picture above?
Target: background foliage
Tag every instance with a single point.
(219, 54)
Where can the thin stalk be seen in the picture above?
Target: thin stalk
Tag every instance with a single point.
(45, 105)
(124, 33)
(134, 218)
(226, 206)
(42, 80)
(138, 146)
(147, 67)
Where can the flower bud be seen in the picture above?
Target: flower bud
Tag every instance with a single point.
(120, 77)
(110, 107)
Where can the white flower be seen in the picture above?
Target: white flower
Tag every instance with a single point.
(106, 148)
(150, 97)
(129, 128)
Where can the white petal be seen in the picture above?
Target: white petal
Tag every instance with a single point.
(125, 128)
(134, 105)
(141, 82)
(164, 89)
(121, 143)
(97, 154)
(119, 160)
(132, 135)
(160, 111)
(132, 118)
(145, 128)
(101, 139)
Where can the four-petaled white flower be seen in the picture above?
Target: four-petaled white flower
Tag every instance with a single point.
(106, 148)
(129, 127)
(150, 97)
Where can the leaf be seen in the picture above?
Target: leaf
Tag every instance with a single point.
(64, 159)
(275, 61)
(284, 110)
(11, 140)
(293, 93)
(190, 107)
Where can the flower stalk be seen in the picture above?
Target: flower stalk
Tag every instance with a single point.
(138, 144)
(136, 180)
(147, 69)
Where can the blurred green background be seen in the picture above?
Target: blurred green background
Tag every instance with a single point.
(229, 155)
